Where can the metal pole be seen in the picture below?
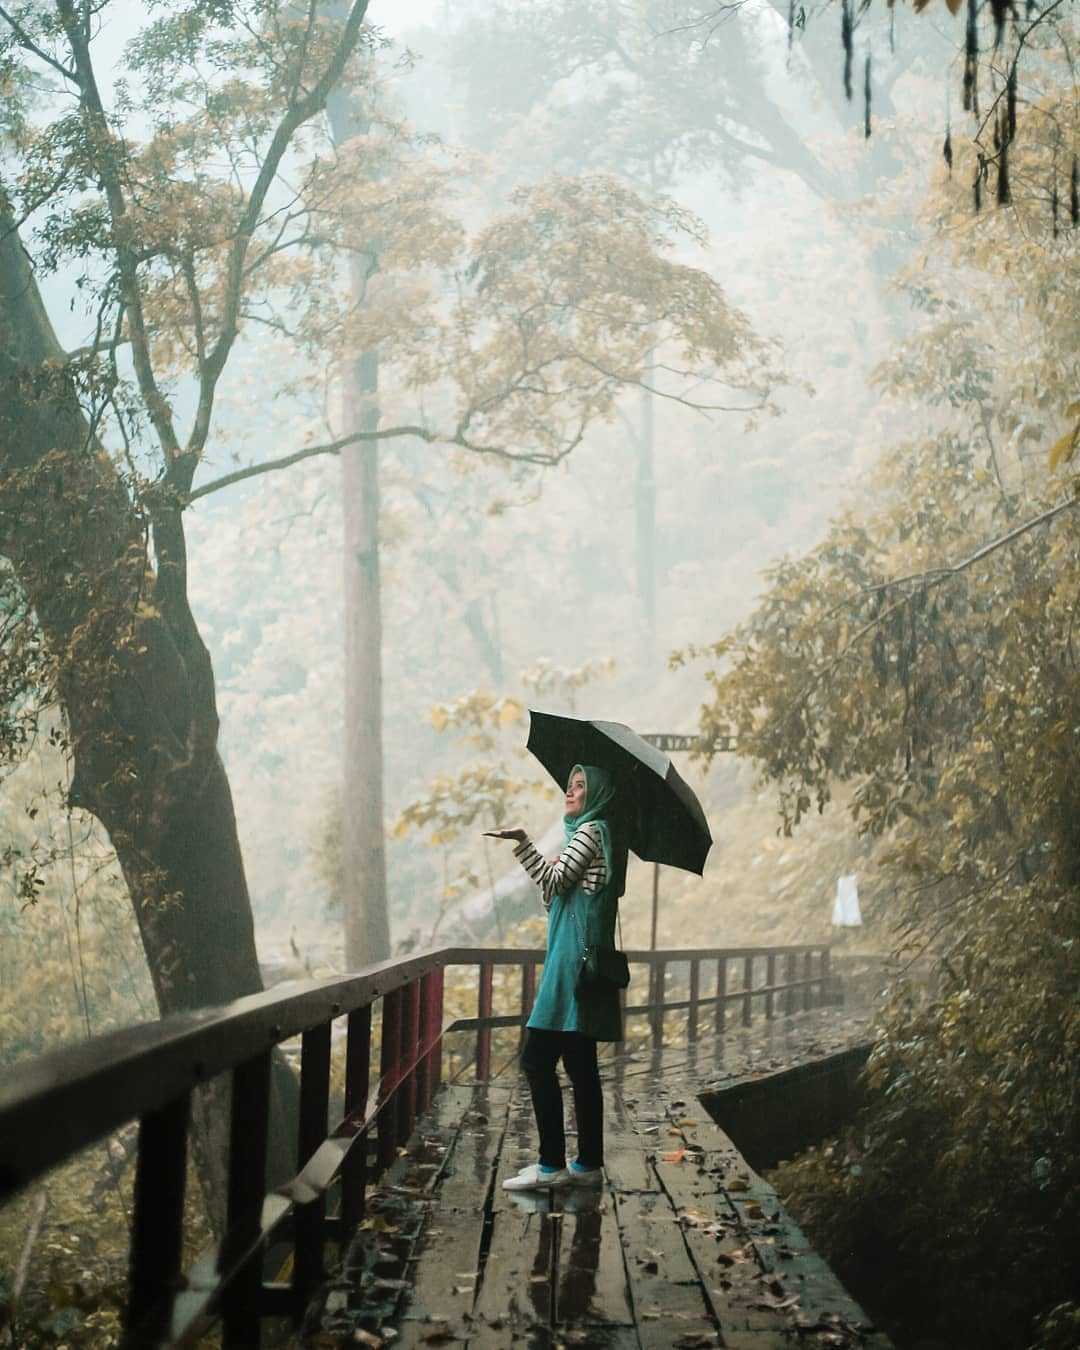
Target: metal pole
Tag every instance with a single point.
(655, 903)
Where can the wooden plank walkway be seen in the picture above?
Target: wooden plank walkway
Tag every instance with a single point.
(684, 1246)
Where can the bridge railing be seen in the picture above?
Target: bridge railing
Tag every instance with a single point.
(53, 1106)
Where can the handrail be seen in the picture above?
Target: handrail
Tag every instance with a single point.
(121, 1075)
(53, 1106)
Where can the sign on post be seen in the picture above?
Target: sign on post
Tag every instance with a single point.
(669, 742)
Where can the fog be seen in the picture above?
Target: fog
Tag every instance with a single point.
(371, 375)
(564, 587)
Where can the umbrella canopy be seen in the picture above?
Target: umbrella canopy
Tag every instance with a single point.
(665, 820)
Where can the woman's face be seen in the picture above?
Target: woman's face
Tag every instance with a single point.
(575, 795)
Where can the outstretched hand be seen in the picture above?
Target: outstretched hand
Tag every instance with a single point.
(517, 835)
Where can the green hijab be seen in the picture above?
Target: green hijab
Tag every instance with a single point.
(599, 796)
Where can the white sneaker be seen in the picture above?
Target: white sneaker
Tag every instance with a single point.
(585, 1176)
(532, 1179)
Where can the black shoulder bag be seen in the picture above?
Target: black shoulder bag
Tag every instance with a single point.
(601, 968)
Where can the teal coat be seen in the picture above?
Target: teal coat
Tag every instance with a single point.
(558, 1008)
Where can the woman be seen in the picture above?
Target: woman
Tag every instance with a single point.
(580, 891)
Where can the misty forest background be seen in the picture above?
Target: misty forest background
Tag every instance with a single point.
(706, 369)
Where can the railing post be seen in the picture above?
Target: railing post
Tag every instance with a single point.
(789, 980)
(314, 1111)
(808, 971)
(249, 1118)
(157, 1225)
(389, 1069)
(659, 983)
(357, 1073)
(824, 974)
(435, 1063)
(770, 980)
(410, 1037)
(430, 1027)
(483, 1034)
(748, 984)
(528, 992)
(695, 994)
(721, 994)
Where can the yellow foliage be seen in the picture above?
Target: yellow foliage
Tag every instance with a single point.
(1063, 449)
(510, 711)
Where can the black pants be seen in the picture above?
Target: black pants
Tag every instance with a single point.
(542, 1052)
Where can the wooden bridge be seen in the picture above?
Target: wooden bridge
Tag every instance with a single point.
(395, 1228)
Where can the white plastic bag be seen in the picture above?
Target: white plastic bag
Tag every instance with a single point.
(845, 912)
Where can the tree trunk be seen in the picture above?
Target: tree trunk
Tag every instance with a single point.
(367, 925)
(363, 843)
(645, 515)
(135, 683)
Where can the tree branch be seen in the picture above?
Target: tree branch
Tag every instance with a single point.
(313, 102)
(28, 44)
(928, 580)
(101, 137)
(298, 457)
(936, 575)
(542, 459)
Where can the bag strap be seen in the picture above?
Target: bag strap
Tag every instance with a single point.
(618, 921)
(581, 934)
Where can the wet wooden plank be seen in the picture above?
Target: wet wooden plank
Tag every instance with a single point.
(443, 1269)
(504, 1333)
(793, 1269)
(781, 1248)
(545, 1338)
(467, 1174)
(552, 1256)
(626, 1149)
(666, 1293)
(726, 1261)
(516, 1288)
(445, 1260)
(738, 1222)
(520, 1147)
(591, 1272)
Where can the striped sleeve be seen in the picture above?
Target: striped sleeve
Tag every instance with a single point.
(580, 862)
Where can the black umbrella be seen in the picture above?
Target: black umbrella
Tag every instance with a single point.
(664, 818)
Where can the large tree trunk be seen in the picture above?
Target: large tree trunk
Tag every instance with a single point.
(135, 683)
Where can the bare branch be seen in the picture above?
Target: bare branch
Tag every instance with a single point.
(298, 457)
(539, 458)
(97, 348)
(692, 404)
